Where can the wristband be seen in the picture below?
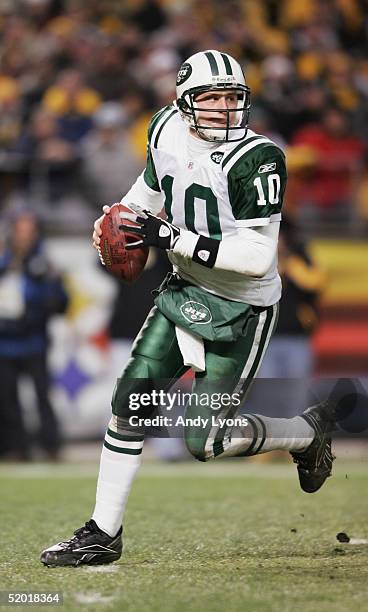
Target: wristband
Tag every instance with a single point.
(205, 252)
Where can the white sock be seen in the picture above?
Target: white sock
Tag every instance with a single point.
(117, 471)
(286, 434)
(264, 434)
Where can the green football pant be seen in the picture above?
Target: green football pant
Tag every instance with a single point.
(156, 363)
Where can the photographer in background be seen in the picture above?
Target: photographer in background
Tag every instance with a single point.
(30, 293)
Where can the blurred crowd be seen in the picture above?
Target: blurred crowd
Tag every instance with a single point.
(80, 80)
(31, 292)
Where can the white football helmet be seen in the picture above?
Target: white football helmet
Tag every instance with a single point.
(213, 71)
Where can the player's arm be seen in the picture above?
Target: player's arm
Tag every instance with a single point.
(250, 251)
(141, 194)
(256, 192)
(144, 193)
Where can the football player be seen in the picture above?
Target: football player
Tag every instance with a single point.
(221, 186)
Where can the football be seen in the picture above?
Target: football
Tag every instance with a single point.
(126, 265)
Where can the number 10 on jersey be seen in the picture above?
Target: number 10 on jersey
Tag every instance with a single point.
(272, 187)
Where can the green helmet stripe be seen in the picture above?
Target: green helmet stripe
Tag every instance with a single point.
(227, 64)
(213, 64)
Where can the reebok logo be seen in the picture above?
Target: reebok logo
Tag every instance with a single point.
(267, 168)
(195, 312)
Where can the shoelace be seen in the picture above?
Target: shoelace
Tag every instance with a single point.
(304, 463)
(89, 526)
(100, 256)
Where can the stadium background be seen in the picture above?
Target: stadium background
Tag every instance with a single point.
(78, 84)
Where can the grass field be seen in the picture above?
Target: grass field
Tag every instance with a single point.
(228, 536)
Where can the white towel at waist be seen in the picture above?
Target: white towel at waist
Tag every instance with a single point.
(191, 348)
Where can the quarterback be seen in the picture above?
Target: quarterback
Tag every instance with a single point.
(221, 187)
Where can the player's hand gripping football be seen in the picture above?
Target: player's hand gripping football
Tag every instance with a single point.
(153, 231)
(97, 232)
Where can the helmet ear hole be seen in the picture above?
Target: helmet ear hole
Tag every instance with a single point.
(182, 104)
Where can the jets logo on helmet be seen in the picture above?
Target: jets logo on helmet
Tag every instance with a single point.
(184, 73)
(212, 71)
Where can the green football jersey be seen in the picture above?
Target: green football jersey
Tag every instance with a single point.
(214, 189)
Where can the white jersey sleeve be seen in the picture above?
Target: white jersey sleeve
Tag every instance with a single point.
(140, 194)
(251, 251)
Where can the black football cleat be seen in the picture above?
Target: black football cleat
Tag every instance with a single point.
(315, 463)
(89, 546)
